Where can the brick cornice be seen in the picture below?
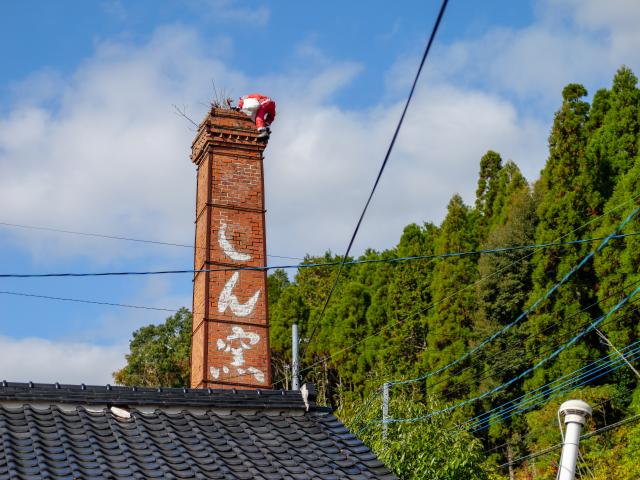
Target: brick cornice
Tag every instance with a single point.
(228, 132)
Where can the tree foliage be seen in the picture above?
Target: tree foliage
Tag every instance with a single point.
(430, 449)
(397, 320)
(159, 355)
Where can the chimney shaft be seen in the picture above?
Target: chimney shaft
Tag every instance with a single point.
(230, 338)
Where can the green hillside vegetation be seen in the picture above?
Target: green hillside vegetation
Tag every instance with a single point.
(391, 321)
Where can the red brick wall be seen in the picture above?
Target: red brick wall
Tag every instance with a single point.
(230, 323)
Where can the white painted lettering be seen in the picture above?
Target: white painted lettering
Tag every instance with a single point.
(229, 249)
(228, 300)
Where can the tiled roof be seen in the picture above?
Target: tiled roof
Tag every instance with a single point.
(54, 431)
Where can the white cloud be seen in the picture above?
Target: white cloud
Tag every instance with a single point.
(41, 360)
(582, 41)
(322, 161)
(112, 157)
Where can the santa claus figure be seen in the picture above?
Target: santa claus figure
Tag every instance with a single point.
(261, 109)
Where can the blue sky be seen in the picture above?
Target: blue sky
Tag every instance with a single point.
(89, 140)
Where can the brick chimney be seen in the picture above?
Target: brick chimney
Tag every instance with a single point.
(230, 339)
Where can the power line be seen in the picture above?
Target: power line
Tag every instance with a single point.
(434, 31)
(527, 311)
(564, 384)
(80, 300)
(497, 250)
(114, 237)
(542, 334)
(113, 304)
(601, 367)
(460, 290)
(520, 439)
(585, 436)
(493, 372)
(501, 387)
(554, 354)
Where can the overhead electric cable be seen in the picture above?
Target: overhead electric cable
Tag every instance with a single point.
(546, 359)
(614, 365)
(80, 300)
(460, 290)
(315, 265)
(113, 237)
(527, 311)
(603, 366)
(522, 360)
(618, 394)
(544, 333)
(585, 436)
(566, 383)
(434, 31)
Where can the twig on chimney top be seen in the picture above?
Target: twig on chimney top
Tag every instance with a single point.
(181, 113)
(215, 103)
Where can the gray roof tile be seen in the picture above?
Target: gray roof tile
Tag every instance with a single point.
(69, 432)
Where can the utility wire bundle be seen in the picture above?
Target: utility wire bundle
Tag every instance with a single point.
(491, 338)
(542, 362)
(555, 388)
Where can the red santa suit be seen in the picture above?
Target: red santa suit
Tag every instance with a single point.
(260, 108)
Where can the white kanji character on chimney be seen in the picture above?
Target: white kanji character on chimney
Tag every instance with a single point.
(236, 344)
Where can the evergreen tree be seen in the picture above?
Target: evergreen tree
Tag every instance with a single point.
(490, 167)
(450, 320)
(290, 307)
(501, 298)
(568, 198)
(614, 145)
(618, 267)
(277, 282)
(409, 298)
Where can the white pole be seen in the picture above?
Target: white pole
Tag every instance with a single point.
(575, 413)
(385, 410)
(295, 367)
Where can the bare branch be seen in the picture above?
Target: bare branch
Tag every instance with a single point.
(215, 92)
(181, 113)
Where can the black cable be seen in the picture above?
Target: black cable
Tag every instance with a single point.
(524, 360)
(79, 300)
(114, 237)
(382, 167)
(314, 265)
(519, 342)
